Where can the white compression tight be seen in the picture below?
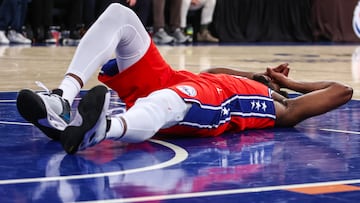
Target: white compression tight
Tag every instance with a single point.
(118, 30)
(161, 109)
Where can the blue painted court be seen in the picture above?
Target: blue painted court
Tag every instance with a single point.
(317, 161)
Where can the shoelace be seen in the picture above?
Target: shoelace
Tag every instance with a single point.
(41, 85)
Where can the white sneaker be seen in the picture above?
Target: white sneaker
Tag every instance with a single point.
(90, 121)
(16, 37)
(70, 42)
(3, 38)
(46, 110)
(161, 37)
(180, 37)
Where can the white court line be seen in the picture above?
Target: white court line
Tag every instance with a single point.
(180, 155)
(14, 123)
(7, 101)
(340, 131)
(226, 192)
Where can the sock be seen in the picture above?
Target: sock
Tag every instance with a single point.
(116, 129)
(140, 126)
(70, 87)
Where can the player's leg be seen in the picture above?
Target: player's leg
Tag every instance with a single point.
(118, 30)
(161, 109)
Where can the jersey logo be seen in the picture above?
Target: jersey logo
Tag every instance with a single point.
(188, 90)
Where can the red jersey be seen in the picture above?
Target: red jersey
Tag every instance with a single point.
(220, 103)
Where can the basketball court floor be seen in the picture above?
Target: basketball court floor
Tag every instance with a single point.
(316, 161)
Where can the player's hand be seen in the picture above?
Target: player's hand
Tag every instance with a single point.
(278, 76)
(266, 77)
(282, 68)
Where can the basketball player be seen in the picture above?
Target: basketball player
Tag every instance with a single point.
(160, 99)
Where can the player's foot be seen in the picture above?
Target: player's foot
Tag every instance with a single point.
(46, 110)
(89, 124)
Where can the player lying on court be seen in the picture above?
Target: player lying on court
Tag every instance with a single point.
(160, 99)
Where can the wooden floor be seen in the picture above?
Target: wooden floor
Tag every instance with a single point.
(21, 66)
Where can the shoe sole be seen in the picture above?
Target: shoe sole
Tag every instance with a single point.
(89, 111)
(32, 108)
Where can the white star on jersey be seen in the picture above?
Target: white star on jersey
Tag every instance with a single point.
(264, 106)
(225, 111)
(252, 104)
(257, 105)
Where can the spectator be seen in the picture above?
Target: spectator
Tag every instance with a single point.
(101, 5)
(208, 7)
(79, 15)
(12, 17)
(140, 7)
(41, 19)
(160, 35)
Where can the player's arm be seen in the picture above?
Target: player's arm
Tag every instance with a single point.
(318, 98)
(230, 71)
(259, 77)
(282, 68)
